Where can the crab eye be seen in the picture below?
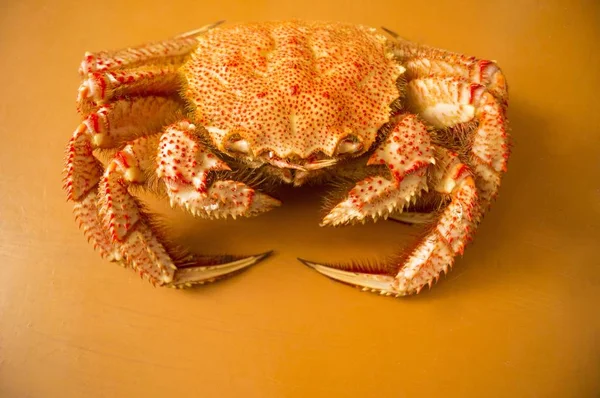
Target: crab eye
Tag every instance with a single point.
(349, 145)
(238, 145)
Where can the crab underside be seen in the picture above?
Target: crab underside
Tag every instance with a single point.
(420, 133)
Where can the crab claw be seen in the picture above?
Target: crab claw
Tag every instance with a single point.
(184, 166)
(224, 199)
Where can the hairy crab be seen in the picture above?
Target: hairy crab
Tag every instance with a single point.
(420, 132)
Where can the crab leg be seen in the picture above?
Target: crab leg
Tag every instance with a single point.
(184, 165)
(168, 51)
(138, 240)
(446, 102)
(171, 51)
(100, 87)
(407, 154)
(108, 127)
(151, 68)
(435, 253)
(86, 215)
(421, 61)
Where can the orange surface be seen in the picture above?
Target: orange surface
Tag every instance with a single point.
(518, 316)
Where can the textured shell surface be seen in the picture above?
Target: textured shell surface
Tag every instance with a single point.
(292, 89)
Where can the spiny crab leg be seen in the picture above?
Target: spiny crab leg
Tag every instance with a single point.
(435, 253)
(446, 102)
(447, 89)
(86, 215)
(423, 62)
(136, 238)
(100, 87)
(107, 127)
(172, 51)
(122, 232)
(148, 69)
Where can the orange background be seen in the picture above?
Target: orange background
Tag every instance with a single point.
(517, 317)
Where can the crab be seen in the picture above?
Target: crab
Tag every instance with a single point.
(417, 134)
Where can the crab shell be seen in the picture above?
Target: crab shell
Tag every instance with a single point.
(292, 92)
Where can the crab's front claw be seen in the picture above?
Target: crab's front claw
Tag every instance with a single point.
(184, 166)
(407, 154)
(376, 197)
(223, 199)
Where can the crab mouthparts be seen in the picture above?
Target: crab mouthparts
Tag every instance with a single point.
(308, 165)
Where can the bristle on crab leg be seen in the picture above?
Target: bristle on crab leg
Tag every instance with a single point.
(414, 217)
(201, 30)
